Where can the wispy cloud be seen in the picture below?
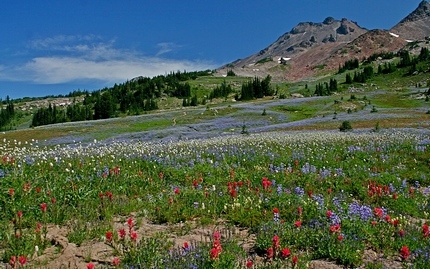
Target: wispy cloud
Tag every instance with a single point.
(62, 42)
(81, 58)
(166, 47)
(53, 70)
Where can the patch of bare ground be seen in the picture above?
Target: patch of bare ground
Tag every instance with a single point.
(64, 254)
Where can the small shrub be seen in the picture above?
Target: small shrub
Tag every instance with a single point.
(265, 60)
(377, 128)
(244, 129)
(345, 126)
(231, 73)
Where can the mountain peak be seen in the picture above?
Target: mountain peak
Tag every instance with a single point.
(309, 46)
(415, 26)
(329, 20)
(423, 3)
(421, 12)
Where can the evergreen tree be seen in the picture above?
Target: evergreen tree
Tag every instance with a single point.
(7, 115)
(258, 89)
(265, 85)
(333, 85)
(194, 101)
(348, 79)
(247, 91)
(405, 59)
(104, 107)
(424, 54)
(221, 91)
(230, 73)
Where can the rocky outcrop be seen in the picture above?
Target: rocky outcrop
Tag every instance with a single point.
(311, 47)
(415, 26)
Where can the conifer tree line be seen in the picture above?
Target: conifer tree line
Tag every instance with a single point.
(140, 94)
(256, 88)
(132, 97)
(326, 88)
(7, 114)
(348, 65)
(405, 61)
(221, 91)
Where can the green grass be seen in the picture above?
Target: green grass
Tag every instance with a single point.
(296, 113)
(392, 100)
(264, 60)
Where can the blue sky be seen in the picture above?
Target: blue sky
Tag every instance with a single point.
(55, 47)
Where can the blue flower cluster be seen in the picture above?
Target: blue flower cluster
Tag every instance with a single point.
(364, 212)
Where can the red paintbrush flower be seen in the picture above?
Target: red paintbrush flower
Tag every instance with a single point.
(22, 260)
(270, 253)
(295, 260)
(275, 241)
(122, 233)
(426, 231)
(109, 236)
(335, 228)
(404, 252)
(285, 252)
(116, 261)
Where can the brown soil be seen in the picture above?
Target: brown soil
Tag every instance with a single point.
(64, 254)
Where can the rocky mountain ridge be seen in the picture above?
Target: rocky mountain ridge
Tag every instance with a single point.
(309, 47)
(416, 25)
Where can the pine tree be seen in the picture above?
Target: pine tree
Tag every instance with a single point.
(348, 79)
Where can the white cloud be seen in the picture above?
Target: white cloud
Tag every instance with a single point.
(55, 70)
(166, 47)
(90, 46)
(59, 42)
(82, 58)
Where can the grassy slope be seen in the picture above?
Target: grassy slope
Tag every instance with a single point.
(398, 101)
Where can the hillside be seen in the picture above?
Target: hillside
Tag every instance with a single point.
(310, 49)
(316, 39)
(310, 53)
(415, 26)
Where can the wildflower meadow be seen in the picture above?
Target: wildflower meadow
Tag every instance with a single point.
(272, 200)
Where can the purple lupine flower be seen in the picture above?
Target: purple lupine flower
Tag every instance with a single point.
(279, 189)
(364, 212)
(319, 199)
(299, 191)
(334, 219)
(392, 188)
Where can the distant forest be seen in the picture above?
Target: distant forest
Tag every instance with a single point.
(140, 95)
(132, 97)
(6, 115)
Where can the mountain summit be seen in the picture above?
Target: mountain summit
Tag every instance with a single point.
(313, 47)
(327, 36)
(415, 26)
(307, 35)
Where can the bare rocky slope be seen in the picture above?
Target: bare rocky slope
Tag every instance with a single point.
(312, 48)
(415, 26)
